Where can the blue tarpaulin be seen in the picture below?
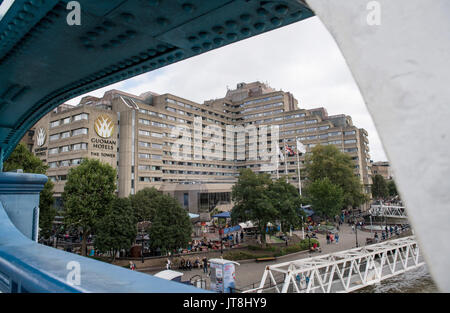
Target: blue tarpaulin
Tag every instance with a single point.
(307, 209)
(231, 229)
(223, 215)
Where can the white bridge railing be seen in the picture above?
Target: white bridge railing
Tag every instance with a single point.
(343, 271)
(388, 211)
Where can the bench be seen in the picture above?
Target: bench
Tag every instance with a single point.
(272, 258)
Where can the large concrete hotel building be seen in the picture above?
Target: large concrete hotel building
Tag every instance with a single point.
(137, 136)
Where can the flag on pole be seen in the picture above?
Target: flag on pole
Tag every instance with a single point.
(300, 147)
(289, 151)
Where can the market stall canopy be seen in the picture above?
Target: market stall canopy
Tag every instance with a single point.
(223, 215)
(233, 229)
(168, 274)
(248, 224)
(192, 215)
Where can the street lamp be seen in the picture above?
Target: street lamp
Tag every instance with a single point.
(142, 247)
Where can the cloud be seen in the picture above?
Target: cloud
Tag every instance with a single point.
(301, 58)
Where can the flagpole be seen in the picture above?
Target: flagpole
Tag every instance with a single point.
(298, 168)
(285, 161)
(278, 163)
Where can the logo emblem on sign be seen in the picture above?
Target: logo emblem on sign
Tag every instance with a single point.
(40, 137)
(104, 126)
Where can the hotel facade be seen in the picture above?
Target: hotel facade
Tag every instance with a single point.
(189, 150)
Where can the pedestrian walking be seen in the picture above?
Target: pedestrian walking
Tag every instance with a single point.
(376, 237)
(132, 266)
(328, 238)
(205, 265)
(337, 238)
(353, 228)
(168, 264)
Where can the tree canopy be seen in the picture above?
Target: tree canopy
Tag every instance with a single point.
(325, 197)
(328, 162)
(257, 198)
(22, 158)
(392, 188)
(379, 187)
(170, 226)
(88, 194)
(117, 229)
(145, 202)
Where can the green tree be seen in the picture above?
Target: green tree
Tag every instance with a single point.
(87, 196)
(252, 201)
(328, 161)
(379, 187)
(325, 197)
(171, 226)
(22, 158)
(145, 202)
(117, 229)
(286, 201)
(392, 188)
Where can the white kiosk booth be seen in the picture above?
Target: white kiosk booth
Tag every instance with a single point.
(223, 275)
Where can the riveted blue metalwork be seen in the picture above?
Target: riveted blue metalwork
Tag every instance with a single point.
(28, 266)
(44, 61)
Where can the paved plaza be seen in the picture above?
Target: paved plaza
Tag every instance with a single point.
(250, 273)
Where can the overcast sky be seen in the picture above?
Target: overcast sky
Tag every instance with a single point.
(301, 58)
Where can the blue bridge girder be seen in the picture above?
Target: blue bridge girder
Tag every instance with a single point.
(44, 62)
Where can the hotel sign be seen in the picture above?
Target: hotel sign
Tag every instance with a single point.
(41, 136)
(104, 128)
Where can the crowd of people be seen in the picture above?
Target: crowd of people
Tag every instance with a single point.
(187, 264)
(389, 232)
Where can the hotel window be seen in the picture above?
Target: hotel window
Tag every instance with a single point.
(53, 164)
(79, 117)
(53, 151)
(156, 146)
(311, 122)
(62, 177)
(144, 156)
(144, 144)
(80, 131)
(76, 161)
(54, 124)
(79, 146)
(65, 134)
(145, 122)
(52, 179)
(144, 133)
(156, 157)
(64, 163)
(157, 135)
(353, 132)
(66, 120)
(350, 141)
(65, 149)
(54, 137)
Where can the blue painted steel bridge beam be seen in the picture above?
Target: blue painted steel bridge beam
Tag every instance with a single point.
(26, 266)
